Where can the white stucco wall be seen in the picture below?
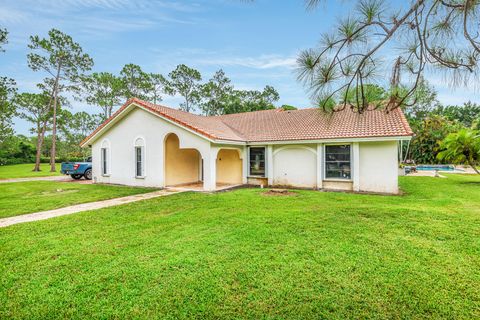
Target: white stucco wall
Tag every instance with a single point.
(295, 165)
(374, 167)
(378, 167)
(121, 137)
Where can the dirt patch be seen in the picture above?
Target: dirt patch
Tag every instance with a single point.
(57, 191)
(279, 192)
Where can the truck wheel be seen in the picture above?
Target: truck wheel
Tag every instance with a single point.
(76, 176)
(88, 174)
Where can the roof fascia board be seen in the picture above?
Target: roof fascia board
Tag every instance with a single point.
(341, 140)
(124, 112)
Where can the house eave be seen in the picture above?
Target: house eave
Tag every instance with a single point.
(132, 105)
(332, 140)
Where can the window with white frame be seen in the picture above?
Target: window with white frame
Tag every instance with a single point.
(105, 157)
(139, 158)
(104, 161)
(338, 162)
(257, 161)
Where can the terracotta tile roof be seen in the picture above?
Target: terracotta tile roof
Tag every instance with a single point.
(280, 125)
(313, 124)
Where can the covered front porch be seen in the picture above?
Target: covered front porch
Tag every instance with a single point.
(215, 168)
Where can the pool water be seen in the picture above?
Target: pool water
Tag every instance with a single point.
(437, 167)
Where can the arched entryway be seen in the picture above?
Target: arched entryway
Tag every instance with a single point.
(182, 166)
(229, 167)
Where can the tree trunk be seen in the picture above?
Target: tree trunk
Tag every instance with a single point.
(39, 145)
(474, 167)
(53, 151)
(41, 136)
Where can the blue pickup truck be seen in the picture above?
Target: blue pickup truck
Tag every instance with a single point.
(77, 170)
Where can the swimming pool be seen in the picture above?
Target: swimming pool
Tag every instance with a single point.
(425, 167)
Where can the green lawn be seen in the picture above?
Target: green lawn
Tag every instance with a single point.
(241, 254)
(25, 171)
(26, 197)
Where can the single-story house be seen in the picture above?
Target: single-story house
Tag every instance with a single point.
(143, 144)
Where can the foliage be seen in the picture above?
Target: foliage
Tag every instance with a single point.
(74, 128)
(7, 108)
(423, 102)
(466, 114)
(64, 60)
(157, 87)
(61, 57)
(240, 254)
(3, 38)
(218, 97)
(7, 91)
(429, 132)
(375, 94)
(17, 149)
(287, 107)
(440, 34)
(462, 147)
(103, 89)
(476, 124)
(185, 82)
(33, 107)
(136, 82)
(214, 94)
(28, 197)
(251, 100)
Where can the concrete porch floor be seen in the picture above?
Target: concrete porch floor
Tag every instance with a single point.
(198, 187)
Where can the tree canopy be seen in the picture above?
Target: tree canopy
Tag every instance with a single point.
(462, 147)
(185, 81)
(3, 38)
(135, 82)
(374, 39)
(65, 62)
(7, 108)
(103, 89)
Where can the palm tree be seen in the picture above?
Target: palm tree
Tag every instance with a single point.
(462, 147)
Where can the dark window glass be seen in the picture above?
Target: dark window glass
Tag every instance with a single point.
(257, 161)
(104, 160)
(139, 161)
(337, 162)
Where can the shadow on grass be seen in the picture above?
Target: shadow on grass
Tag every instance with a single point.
(476, 183)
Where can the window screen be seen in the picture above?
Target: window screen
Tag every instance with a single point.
(337, 162)
(257, 161)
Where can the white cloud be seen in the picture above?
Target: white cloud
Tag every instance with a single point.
(261, 62)
(12, 16)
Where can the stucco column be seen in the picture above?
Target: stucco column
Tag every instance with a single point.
(319, 166)
(245, 161)
(210, 169)
(356, 166)
(270, 164)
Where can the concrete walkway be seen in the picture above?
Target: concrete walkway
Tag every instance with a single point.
(5, 222)
(51, 178)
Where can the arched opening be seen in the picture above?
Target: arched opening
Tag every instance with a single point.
(182, 166)
(229, 167)
(295, 166)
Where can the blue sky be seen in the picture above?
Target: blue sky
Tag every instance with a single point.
(255, 43)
